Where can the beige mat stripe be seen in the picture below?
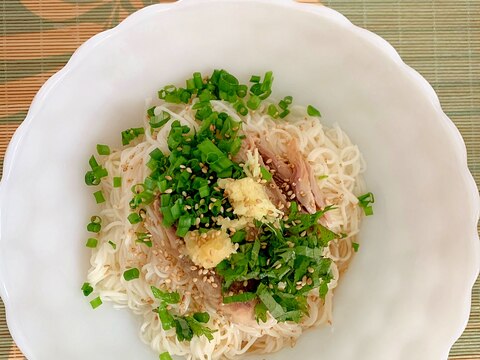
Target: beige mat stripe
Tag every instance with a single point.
(439, 38)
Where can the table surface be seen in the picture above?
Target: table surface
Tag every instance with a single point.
(438, 38)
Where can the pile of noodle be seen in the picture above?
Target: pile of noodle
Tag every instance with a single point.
(337, 165)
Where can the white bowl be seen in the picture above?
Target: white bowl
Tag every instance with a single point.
(406, 294)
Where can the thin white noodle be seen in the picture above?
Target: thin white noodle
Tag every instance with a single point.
(335, 161)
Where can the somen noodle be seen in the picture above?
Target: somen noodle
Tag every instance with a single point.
(136, 253)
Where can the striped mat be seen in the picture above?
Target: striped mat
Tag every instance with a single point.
(439, 38)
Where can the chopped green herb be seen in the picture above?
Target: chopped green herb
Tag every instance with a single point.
(103, 149)
(166, 297)
(113, 245)
(91, 243)
(261, 312)
(294, 252)
(238, 236)
(87, 289)
(95, 303)
(266, 175)
(131, 274)
(313, 111)
(99, 198)
(202, 317)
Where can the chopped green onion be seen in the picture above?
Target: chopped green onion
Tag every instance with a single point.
(255, 79)
(93, 162)
(355, 246)
(99, 198)
(265, 95)
(364, 202)
(91, 243)
(144, 238)
(267, 81)
(313, 111)
(151, 111)
(131, 134)
(197, 79)
(227, 82)
(95, 303)
(158, 121)
(157, 154)
(184, 224)
(253, 102)
(87, 289)
(204, 191)
(266, 175)
(95, 224)
(242, 90)
(165, 356)
(240, 108)
(94, 176)
(288, 100)
(284, 113)
(91, 179)
(114, 246)
(282, 105)
(134, 218)
(103, 149)
(272, 111)
(117, 181)
(190, 84)
(131, 274)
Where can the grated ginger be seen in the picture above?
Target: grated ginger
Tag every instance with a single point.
(208, 249)
(249, 199)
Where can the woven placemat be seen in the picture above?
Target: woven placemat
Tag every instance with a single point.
(439, 38)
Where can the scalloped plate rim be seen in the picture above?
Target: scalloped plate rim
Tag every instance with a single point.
(381, 44)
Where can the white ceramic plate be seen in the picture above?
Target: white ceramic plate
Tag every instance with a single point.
(407, 293)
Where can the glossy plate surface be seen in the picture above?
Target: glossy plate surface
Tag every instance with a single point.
(406, 294)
